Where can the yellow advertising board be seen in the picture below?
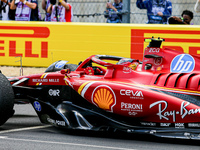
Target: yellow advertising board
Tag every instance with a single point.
(39, 44)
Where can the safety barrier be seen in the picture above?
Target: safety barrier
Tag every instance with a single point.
(41, 43)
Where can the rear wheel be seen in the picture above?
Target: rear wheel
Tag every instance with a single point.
(6, 99)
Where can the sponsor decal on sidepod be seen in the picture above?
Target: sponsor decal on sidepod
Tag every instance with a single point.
(183, 63)
(163, 114)
(132, 94)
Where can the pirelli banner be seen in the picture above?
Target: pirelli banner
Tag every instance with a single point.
(39, 44)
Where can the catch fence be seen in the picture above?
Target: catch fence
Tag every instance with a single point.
(93, 10)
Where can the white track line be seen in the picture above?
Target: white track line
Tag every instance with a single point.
(51, 142)
(62, 143)
(24, 129)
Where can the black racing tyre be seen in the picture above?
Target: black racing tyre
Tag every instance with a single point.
(6, 99)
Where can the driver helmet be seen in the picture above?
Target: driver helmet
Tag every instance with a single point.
(125, 61)
(133, 65)
(128, 62)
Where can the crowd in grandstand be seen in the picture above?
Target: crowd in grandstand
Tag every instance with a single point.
(28, 10)
(113, 10)
(158, 11)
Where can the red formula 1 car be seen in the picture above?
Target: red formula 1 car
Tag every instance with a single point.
(159, 96)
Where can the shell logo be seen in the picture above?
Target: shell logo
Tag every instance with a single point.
(104, 97)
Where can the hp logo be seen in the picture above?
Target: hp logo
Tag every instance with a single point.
(183, 63)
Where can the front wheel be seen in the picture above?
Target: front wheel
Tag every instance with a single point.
(6, 99)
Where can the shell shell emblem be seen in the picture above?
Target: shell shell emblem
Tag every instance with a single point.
(104, 97)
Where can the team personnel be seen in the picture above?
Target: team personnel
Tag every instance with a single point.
(5, 12)
(112, 10)
(45, 5)
(61, 12)
(26, 10)
(158, 11)
(186, 18)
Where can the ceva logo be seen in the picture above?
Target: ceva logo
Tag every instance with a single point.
(132, 94)
(183, 63)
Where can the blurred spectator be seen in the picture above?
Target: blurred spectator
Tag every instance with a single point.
(26, 10)
(158, 11)
(112, 10)
(197, 6)
(61, 12)
(6, 13)
(186, 18)
(45, 5)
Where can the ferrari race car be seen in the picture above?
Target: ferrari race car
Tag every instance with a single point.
(158, 96)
